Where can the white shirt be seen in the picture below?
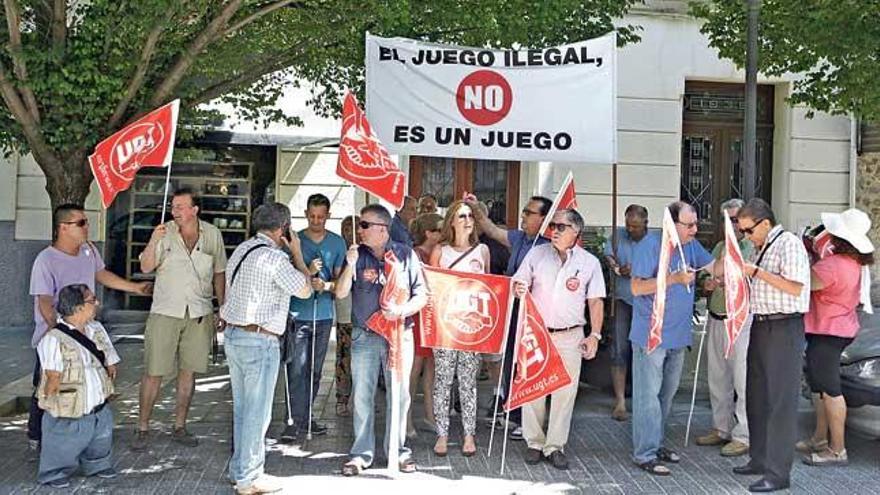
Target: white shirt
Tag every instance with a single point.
(49, 349)
(561, 289)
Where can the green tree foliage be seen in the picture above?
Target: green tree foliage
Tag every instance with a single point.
(74, 71)
(835, 44)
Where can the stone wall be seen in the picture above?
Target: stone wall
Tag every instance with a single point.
(868, 200)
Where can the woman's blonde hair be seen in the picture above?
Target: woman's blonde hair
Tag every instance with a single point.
(448, 233)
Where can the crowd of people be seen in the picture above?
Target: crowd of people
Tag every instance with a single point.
(281, 293)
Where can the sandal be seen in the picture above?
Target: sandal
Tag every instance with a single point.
(667, 455)
(440, 452)
(352, 468)
(342, 410)
(468, 452)
(655, 467)
(809, 446)
(408, 466)
(827, 457)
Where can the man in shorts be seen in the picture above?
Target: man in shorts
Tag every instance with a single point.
(189, 259)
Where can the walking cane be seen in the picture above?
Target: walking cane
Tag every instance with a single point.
(312, 363)
(687, 431)
(287, 396)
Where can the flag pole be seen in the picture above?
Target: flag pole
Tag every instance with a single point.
(614, 239)
(519, 321)
(501, 375)
(687, 431)
(394, 355)
(165, 197)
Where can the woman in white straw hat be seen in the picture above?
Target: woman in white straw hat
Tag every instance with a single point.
(843, 253)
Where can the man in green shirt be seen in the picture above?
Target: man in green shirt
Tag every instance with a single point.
(727, 376)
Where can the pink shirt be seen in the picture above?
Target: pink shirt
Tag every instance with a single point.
(833, 308)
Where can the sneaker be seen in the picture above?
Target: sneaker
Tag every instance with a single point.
(59, 483)
(735, 449)
(259, 486)
(558, 460)
(827, 457)
(290, 434)
(107, 474)
(710, 439)
(516, 433)
(141, 440)
(183, 437)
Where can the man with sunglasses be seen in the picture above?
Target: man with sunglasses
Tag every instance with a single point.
(727, 375)
(564, 279)
(369, 350)
(71, 259)
(519, 242)
(780, 295)
(656, 374)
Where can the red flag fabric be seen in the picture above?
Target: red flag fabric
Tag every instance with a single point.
(395, 292)
(565, 199)
(736, 288)
(540, 370)
(363, 160)
(465, 311)
(669, 241)
(146, 142)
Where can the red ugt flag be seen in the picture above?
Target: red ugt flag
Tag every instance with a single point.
(565, 199)
(146, 142)
(465, 311)
(540, 370)
(395, 292)
(669, 241)
(363, 160)
(736, 289)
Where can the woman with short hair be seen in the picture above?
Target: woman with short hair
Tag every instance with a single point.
(459, 250)
(831, 325)
(78, 368)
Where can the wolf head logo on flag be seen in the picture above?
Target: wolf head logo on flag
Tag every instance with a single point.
(736, 288)
(669, 241)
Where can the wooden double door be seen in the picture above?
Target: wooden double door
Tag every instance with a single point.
(494, 182)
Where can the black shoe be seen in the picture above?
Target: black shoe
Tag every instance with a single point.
(558, 460)
(747, 470)
(533, 456)
(764, 485)
(317, 429)
(668, 455)
(290, 434)
(183, 437)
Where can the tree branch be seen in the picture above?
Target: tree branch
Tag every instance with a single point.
(188, 57)
(42, 151)
(268, 9)
(140, 72)
(59, 24)
(13, 22)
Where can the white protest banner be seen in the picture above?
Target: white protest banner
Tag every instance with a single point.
(550, 104)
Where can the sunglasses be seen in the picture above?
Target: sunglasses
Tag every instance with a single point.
(751, 230)
(527, 212)
(560, 227)
(464, 216)
(364, 225)
(82, 222)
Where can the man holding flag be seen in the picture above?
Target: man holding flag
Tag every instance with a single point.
(661, 332)
(727, 374)
(563, 279)
(369, 350)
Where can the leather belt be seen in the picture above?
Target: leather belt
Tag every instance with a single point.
(716, 316)
(254, 328)
(565, 329)
(778, 316)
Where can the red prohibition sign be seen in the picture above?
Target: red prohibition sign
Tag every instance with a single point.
(484, 97)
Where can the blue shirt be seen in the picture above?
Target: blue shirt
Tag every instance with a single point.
(370, 280)
(331, 250)
(519, 248)
(679, 302)
(399, 232)
(624, 256)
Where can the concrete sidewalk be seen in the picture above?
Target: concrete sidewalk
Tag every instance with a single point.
(599, 451)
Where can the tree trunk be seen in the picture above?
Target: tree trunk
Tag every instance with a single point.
(71, 182)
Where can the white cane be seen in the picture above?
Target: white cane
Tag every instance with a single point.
(287, 395)
(687, 431)
(312, 372)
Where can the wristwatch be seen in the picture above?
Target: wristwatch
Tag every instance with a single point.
(597, 336)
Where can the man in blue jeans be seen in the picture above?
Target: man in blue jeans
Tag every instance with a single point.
(266, 271)
(656, 375)
(311, 319)
(369, 350)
